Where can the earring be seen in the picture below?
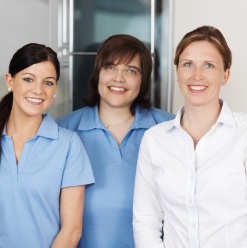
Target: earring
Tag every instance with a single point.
(9, 89)
(54, 95)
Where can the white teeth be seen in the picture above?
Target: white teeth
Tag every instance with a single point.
(117, 89)
(34, 100)
(199, 87)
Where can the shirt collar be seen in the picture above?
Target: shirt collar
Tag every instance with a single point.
(90, 114)
(226, 117)
(143, 119)
(47, 129)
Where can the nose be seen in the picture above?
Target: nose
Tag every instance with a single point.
(119, 77)
(198, 73)
(37, 88)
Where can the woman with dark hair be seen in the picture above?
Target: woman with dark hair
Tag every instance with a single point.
(118, 113)
(43, 168)
(191, 179)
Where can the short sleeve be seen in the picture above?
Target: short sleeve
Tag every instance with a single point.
(78, 170)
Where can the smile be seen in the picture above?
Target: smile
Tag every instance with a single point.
(197, 87)
(34, 100)
(117, 89)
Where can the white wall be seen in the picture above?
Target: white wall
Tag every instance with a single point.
(21, 22)
(230, 17)
(24, 21)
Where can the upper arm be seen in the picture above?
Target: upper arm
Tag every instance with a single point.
(147, 213)
(71, 207)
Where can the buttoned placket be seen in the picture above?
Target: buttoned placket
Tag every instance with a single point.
(12, 165)
(117, 150)
(16, 168)
(192, 161)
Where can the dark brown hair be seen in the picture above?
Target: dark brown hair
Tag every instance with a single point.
(122, 48)
(26, 56)
(210, 34)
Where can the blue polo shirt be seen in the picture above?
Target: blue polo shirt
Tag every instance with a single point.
(107, 221)
(29, 192)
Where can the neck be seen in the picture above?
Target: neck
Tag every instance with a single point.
(197, 120)
(113, 115)
(23, 126)
(206, 114)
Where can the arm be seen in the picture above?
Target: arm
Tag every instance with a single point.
(147, 213)
(71, 210)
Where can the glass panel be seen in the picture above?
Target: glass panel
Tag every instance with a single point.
(83, 66)
(96, 20)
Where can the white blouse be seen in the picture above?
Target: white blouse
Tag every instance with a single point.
(186, 197)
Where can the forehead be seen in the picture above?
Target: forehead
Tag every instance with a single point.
(130, 61)
(42, 69)
(120, 57)
(201, 49)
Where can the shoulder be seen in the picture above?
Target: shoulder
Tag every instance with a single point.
(161, 128)
(160, 115)
(232, 118)
(68, 135)
(240, 119)
(71, 120)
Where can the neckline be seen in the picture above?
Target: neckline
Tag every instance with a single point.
(107, 125)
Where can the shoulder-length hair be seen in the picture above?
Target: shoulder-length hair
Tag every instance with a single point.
(122, 48)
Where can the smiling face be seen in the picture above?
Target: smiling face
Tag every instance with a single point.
(119, 84)
(33, 88)
(201, 74)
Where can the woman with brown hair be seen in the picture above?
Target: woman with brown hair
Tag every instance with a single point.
(191, 181)
(118, 113)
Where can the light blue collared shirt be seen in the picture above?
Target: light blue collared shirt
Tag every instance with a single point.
(29, 191)
(107, 219)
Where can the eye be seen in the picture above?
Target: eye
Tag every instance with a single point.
(109, 68)
(188, 64)
(208, 66)
(132, 71)
(48, 83)
(28, 80)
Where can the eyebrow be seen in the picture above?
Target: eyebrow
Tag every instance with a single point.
(130, 66)
(205, 61)
(35, 76)
(182, 60)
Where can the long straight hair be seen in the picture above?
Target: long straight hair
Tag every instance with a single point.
(26, 56)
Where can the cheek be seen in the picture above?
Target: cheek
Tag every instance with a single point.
(137, 87)
(102, 81)
(100, 87)
(180, 80)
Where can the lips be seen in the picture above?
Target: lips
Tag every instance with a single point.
(197, 87)
(118, 89)
(34, 100)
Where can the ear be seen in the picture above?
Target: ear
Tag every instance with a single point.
(9, 81)
(226, 76)
(177, 73)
